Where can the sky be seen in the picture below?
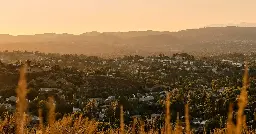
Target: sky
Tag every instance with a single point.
(79, 16)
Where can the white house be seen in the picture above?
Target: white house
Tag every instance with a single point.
(237, 64)
(34, 70)
(136, 116)
(185, 62)
(35, 118)
(196, 121)
(146, 98)
(155, 116)
(133, 99)
(76, 110)
(101, 115)
(12, 98)
(46, 68)
(110, 98)
(179, 58)
(215, 70)
(50, 89)
(203, 122)
(6, 105)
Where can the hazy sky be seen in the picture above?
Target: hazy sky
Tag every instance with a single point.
(78, 16)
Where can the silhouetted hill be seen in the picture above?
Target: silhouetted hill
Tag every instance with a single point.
(210, 40)
(242, 24)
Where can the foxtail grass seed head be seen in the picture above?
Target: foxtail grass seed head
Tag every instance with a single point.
(21, 105)
(242, 101)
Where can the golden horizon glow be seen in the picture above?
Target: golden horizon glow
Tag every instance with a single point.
(79, 16)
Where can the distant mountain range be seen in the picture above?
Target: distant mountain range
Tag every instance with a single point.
(242, 24)
(209, 40)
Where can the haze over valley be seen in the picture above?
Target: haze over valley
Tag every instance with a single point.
(203, 41)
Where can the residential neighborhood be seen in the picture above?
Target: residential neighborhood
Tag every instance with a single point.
(97, 87)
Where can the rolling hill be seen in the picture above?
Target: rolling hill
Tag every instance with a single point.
(209, 40)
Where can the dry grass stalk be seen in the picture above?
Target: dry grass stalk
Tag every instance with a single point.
(21, 101)
(217, 131)
(92, 127)
(78, 122)
(121, 120)
(142, 126)
(2, 124)
(178, 128)
(168, 116)
(134, 125)
(242, 102)
(51, 113)
(230, 124)
(244, 126)
(41, 125)
(255, 116)
(114, 105)
(187, 119)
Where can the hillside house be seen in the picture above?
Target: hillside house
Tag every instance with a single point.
(46, 90)
(76, 110)
(146, 98)
(110, 98)
(12, 99)
(34, 70)
(46, 68)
